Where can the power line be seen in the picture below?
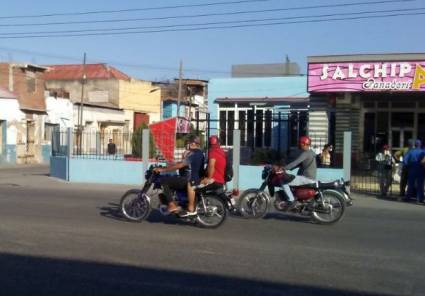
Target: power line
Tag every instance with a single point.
(213, 27)
(213, 23)
(206, 14)
(114, 63)
(134, 9)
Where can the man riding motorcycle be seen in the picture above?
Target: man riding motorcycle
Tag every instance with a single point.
(307, 171)
(192, 167)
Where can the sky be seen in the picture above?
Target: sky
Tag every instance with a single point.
(206, 54)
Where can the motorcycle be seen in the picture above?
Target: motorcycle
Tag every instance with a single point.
(212, 203)
(324, 203)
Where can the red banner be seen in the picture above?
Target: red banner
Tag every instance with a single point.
(164, 135)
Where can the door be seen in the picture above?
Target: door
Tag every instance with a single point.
(400, 137)
(139, 119)
(30, 147)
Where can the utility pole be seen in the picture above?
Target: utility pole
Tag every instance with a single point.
(80, 117)
(180, 88)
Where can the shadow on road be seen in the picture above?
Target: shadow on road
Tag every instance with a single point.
(27, 275)
(113, 211)
(287, 217)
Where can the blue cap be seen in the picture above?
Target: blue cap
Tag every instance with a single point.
(418, 143)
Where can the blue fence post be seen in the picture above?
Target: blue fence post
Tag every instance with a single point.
(70, 145)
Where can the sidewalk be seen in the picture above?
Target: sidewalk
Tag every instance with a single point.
(37, 176)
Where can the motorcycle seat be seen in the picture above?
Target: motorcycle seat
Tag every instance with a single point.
(328, 185)
(307, 186)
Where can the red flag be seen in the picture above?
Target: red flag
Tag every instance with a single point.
(164, 135)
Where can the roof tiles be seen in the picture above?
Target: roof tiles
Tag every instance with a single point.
(92, 71)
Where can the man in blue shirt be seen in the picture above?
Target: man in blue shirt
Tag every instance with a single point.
(416, 175)
(191, 171)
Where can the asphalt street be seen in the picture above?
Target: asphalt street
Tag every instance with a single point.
(58, 238)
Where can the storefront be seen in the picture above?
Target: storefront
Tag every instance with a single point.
(380, 98)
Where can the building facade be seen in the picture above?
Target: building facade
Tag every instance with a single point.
(105, 86)
(22, 112)
(271, 112)
(380, 98)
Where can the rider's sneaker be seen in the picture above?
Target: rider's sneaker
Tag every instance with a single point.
(187, 214)
(291, 205)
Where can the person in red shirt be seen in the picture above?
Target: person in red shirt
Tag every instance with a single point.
(216, 163)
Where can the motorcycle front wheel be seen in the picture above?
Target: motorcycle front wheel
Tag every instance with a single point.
(330, 209)
(135, 205)
(253, 203)
(211, 212)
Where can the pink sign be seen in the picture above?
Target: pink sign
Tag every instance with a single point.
(367, 77)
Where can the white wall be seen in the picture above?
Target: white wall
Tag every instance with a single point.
(93, 116)
(9, 111)
(59, 111)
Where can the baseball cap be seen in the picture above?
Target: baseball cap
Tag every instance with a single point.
(194, 140)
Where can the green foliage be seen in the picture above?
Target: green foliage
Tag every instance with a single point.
(265, 156)
(137, 142)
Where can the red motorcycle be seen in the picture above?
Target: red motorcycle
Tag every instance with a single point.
(324, 203)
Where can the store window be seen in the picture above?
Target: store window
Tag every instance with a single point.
(402, 119)
(369, 132)
(421, 126)
(242, 126)
(298, 122)
(223, 125)
(259, 128)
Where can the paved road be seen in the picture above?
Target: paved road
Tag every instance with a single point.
(67, 239)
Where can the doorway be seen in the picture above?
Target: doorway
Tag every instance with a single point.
(400, 137)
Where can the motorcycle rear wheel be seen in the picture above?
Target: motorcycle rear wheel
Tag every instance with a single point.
(213, 214)
(253, 203)
(135, 205)
(333, 209)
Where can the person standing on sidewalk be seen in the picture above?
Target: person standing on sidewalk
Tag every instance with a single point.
(416, 175)
(400, 155)
(385, 167)
(325, 156)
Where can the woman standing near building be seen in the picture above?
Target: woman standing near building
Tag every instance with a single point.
(325, 156)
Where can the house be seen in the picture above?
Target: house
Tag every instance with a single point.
(270, 112)
(193, 102)
(22, 112)
(102, 121)
(101, 86)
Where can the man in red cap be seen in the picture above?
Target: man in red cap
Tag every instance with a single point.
(306, 162)
(216, 162)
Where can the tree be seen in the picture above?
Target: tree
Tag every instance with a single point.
(137, 142)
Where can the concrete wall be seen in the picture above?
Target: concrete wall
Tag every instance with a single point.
(59, 167)
(15, 78)
(95, 90)
(131, 173)
(106, 171)
(13, 129)
(59, 111)
(140, 96)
